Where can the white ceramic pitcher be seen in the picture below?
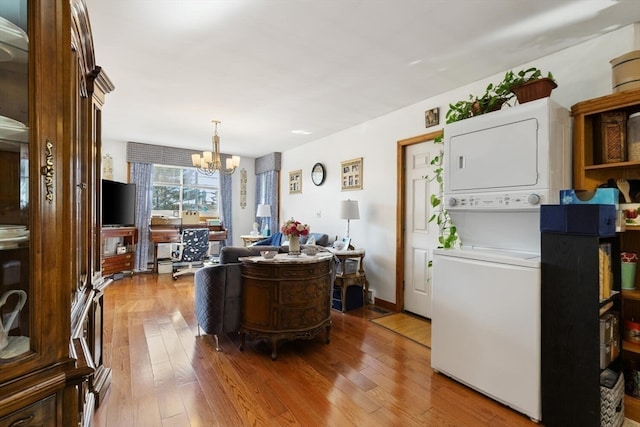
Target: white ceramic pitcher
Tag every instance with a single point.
(4, 330)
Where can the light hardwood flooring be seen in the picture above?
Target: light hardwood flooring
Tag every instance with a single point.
(165, 375)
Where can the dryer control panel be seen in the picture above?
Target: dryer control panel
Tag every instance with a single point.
(498, 201)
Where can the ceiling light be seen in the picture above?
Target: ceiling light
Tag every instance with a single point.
(301, 132)
(210, 162)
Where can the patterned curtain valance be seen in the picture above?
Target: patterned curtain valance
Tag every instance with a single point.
(269, 162)
(138, 152)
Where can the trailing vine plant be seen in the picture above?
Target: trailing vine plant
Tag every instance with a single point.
(447, 235)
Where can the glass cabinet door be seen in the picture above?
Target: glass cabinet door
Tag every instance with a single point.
(15, 298)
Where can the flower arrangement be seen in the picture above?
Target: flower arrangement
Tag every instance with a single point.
(294, 228)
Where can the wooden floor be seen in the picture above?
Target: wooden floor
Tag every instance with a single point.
(165, 375)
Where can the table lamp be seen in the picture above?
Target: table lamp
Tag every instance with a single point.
(349, 210)
(264, 211)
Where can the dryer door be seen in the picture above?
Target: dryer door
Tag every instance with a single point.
(503, 157)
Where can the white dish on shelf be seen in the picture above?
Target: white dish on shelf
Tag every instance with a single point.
(13, 130)
(12, 242)
(16, 347)
(12, 35)
(12, 231)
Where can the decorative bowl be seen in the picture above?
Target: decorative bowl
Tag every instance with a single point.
(268, 254)
(310, 250)
(631, 213)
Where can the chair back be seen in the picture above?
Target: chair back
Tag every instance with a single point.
(195, 243)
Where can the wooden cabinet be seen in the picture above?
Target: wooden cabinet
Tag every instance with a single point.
(571, 360)
(590, 169)
(51, 369)
(127, 238)
(285, 298)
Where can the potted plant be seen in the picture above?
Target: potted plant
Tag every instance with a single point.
(494, 97)
(529, 84)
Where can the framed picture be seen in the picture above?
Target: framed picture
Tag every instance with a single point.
(295, 182)
(432, 117)
(351, 174)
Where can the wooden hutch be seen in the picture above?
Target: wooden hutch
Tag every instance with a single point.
(51, 95)
(590, 170)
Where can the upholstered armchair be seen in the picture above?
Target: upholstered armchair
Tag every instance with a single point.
(217, 299)
(218, 289)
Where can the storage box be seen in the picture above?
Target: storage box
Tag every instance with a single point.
(612, 402)
(611, 136)
(165, 267)
(350, 266)
(588, 220)
(354, 298)
(601, 196)
(625, 71)
(190, 217)
(605, 354)
(606, 328)
(165, 220)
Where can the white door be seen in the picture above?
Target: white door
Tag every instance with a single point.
(421, 236)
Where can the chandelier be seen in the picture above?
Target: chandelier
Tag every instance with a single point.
(209, 162)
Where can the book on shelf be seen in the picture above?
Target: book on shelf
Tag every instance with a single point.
(605, 272)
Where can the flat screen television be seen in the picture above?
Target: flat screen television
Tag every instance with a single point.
(118, 204)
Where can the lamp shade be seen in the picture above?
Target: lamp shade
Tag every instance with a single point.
(264, 211)
(349, 209)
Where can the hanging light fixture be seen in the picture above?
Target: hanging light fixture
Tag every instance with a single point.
(209, 162)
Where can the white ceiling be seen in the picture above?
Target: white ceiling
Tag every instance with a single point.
(267, 67)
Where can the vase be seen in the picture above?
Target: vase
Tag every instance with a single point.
(534, 89)
(294, 245)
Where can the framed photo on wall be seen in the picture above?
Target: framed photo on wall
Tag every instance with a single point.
(432, 117)
(351, 174)
(295, 181)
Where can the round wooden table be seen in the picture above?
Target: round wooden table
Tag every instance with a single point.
(287, 297)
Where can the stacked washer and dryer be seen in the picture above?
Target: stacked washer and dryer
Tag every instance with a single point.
(500, 167)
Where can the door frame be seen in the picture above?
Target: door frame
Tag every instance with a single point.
(401, 209)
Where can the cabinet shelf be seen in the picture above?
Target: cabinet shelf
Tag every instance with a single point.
(589, 172)
(631, 346)
(616, 165)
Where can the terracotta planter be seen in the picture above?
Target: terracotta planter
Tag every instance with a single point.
(534, 89)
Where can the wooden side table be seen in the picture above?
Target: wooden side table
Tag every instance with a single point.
(351, 277)
(286, 298)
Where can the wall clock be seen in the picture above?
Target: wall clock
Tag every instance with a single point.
(317, 174)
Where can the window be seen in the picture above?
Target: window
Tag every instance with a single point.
(177, 189)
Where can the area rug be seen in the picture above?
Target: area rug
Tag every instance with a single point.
(412, 327)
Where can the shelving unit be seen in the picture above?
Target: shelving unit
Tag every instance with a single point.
(115, 263)
(571, 357)
(589, 172)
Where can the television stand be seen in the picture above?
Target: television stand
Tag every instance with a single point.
(119, 262)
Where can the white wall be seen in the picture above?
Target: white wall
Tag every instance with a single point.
(582, 72)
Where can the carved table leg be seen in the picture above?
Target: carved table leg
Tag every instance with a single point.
(328, 334)
(242, 338)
